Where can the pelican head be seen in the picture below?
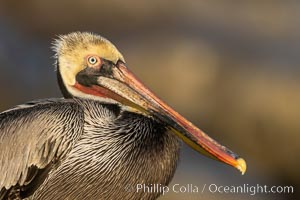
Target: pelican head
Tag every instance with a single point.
(89, 66)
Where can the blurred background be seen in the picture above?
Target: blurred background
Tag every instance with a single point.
(231, 67)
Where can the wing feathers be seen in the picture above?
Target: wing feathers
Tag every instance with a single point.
(34, 134)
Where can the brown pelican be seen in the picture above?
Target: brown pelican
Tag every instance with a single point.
(108, 133)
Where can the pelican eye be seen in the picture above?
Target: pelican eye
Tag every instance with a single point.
(93, 60)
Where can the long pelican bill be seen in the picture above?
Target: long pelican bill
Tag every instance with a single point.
(122, 86)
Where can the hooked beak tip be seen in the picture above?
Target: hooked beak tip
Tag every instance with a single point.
(241, 165)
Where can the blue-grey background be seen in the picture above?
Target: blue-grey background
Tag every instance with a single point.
(231, 67)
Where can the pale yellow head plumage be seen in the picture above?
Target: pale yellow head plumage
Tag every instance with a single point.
(72, 49)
